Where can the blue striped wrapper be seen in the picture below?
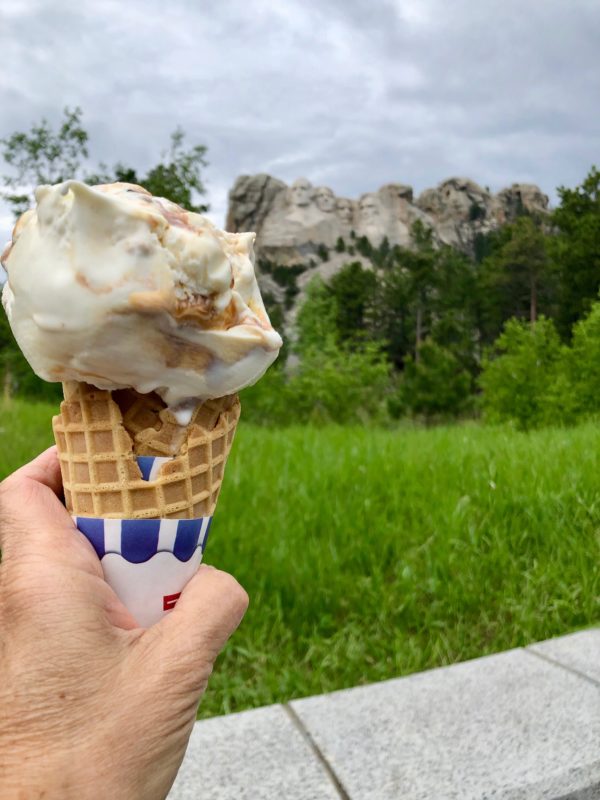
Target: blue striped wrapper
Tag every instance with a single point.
(150, 465)
(138, 540)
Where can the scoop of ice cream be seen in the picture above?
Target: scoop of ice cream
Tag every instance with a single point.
(112, 286)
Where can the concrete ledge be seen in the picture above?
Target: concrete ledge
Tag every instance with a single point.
(520, 725)
(579, 652)
(253, 755)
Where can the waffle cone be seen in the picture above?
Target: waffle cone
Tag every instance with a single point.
(99, 434)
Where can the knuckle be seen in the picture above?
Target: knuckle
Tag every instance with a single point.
(242, 600)
(227, 601)
(184, 671)
(237, 595)
(232, 606)
(16, 496)
(8, 489)
(230, 588)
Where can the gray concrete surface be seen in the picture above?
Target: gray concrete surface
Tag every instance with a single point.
(254, 755)
(520, 725)
(579, 651)
(485, 728)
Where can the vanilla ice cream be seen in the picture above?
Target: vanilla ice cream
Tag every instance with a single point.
(111, 286)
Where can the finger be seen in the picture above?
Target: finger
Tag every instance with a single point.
(32, 491)
(31, 514)
(209, 610)
(44, 469)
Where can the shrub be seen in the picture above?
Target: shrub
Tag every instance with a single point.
(328, 384)
(527, 381)
(435, 385)
(584, 364)
(353, 289)
(316, 318)
(364, 247)
(265, 403)
(323, 252)
(476, 212)
(332, 384)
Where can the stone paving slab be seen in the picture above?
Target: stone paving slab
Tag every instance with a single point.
(578, 651)
(253, 755)
(508, 727)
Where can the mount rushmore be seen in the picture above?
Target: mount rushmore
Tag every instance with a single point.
(295, 222)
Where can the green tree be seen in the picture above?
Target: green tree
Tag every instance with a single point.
(389, 319)
(43, 155)
(434, 386)
(334, 384)
(329, 384)
(524, 381)
(575, 249)
(323, 252)
(453, 307)
(335, 379)
(316, 319)
(406, 283)
(16, 374)
(421, 264)
(178, 176)
(516, 279)
(353, 290)
(363, 246)
(454, 331)
(585, 363)
(381, 254)
(421, 292)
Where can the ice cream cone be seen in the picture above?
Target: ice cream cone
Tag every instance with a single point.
(142, 488)
(99, 434)
(112, 285)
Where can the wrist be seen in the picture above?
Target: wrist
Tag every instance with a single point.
(33, 773)
(37, 775)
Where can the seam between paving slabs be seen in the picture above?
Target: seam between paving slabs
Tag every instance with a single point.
(560, 664)
(304, 732)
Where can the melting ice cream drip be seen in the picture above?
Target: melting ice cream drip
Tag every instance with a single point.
(183, 412)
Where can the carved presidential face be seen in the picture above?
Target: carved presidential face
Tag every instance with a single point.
(533, 198)
(301, 192)
(325, 199)
(345, 210)
(369, 208)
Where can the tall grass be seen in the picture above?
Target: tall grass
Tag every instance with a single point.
(25, 430)
(370, 553)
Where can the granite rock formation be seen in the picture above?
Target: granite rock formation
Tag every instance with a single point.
(294, 222)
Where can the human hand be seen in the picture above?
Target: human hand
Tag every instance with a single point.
(91, 705)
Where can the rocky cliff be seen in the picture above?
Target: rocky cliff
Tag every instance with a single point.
(293, 222)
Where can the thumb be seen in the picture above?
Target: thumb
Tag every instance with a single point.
(209, 610)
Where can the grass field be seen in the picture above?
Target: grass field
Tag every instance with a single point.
(369, 554)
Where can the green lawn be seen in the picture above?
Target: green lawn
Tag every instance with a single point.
(369, 554)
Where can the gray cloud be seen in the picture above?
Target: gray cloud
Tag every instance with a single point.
(350, 93)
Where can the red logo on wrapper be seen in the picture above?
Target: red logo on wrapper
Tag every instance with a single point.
(170, 601)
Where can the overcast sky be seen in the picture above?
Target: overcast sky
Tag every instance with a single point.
(349, 93)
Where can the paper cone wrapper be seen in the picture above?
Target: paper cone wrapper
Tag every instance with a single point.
(141, 488)
(147, 562)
